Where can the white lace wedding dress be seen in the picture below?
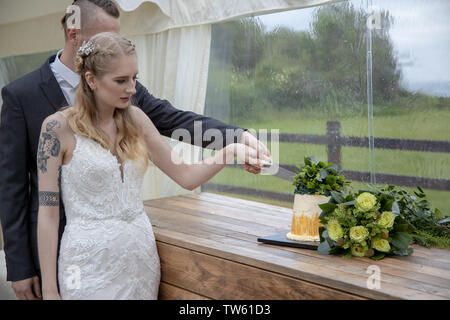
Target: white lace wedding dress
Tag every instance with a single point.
(108, 248)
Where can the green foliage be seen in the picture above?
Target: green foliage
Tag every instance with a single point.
(317, 177)
(419, 218)
(321, 69)
(248, 44)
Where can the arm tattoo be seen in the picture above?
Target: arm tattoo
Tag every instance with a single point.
(49, 145)
(48, 198)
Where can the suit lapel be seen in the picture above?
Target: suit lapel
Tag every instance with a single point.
(50, 86)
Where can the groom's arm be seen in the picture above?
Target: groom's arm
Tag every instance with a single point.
(14, 189)
(167, 119)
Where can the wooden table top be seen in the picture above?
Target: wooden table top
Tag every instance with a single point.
(228, 228)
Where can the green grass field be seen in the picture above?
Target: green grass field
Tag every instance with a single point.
(423, 125)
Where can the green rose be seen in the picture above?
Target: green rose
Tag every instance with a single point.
(365, 201)
(358, 251)
(335, 230)
(386, 220)
(359, 233)
(381, 245)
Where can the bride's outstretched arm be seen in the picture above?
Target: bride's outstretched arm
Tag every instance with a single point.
(191, 176)
(49, 160)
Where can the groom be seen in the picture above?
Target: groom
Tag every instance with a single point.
(26, 103)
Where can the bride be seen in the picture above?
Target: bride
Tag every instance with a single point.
(92, 156)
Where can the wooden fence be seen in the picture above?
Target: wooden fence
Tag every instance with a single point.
(334, 142)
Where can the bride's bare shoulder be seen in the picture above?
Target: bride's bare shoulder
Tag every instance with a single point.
(56, 123)
(144, 121)
(136, 111)
(66, 111)
(139, 115)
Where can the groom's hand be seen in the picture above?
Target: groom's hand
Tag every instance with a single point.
(248, 139)
(24, 289)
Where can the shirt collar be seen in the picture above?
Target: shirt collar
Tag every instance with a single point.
(68, 75)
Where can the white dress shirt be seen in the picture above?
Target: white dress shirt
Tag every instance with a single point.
(67, 79)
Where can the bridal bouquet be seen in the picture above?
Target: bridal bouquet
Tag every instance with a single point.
(363, 224)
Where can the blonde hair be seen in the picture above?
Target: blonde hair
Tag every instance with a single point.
(129, 145)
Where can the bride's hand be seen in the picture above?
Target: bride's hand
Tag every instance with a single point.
(248, 155)
(250, 140)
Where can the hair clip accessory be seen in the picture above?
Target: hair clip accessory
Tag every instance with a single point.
(131, 44)
(86, 49)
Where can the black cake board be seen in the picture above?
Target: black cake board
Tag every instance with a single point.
(281, 240)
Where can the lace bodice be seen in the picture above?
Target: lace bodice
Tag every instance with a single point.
(92, 187)
(108, 239)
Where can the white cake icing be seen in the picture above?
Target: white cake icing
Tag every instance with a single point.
(308, 204)
(305, 219)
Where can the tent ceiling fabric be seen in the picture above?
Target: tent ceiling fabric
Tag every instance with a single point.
(131, 5)
(39, 28)
(169, 14)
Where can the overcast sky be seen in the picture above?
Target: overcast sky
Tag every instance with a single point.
(420, 34)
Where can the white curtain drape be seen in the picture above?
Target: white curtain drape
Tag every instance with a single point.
(173, 65)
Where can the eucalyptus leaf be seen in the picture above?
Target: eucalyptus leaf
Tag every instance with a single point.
(334, 167)
(323, 248)
(423, 203)
(395, 208)
(405, 252)
(323, 214)
(388, 205)
(331, 243)
(327, 207)
(444, 221)
(349, 197)
(337, 197)
(321, 230)
(378, 256)
(323, 173)
(401, 240)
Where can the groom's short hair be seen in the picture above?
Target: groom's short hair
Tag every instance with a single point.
(88, 9)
